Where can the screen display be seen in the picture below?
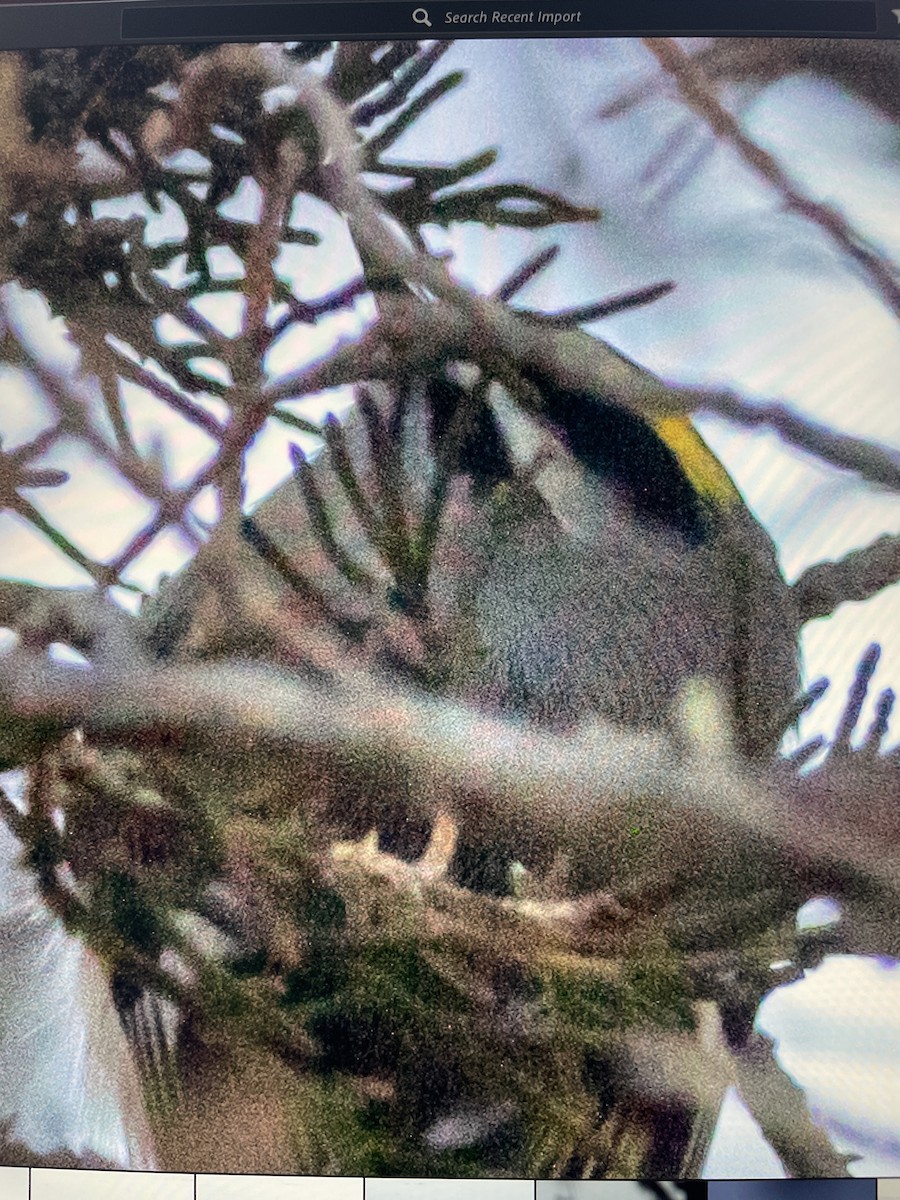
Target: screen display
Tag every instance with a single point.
(449, 544)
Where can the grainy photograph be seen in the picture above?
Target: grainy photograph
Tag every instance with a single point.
(449, 610)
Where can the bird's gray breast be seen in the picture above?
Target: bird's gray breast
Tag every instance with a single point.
(561, 627)
(612, 629)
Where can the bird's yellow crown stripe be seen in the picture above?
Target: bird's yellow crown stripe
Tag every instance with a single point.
(704, 471)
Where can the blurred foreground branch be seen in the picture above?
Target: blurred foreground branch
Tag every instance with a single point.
(579, 793)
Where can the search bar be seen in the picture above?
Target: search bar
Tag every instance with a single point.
(363, 19)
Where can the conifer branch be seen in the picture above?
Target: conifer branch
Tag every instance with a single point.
(854, 579)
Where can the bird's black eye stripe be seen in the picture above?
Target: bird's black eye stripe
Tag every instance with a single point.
(623, 448)
(607, 439)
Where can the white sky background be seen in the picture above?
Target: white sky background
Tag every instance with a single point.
(764, 304)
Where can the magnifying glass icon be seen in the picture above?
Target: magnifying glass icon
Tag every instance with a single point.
(420, 16)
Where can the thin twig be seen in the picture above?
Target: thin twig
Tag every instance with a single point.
(858, 577)
(400, 87)
(856, 698)
(308, 591)
(307, 312)
(143, 377)
(323, 524)
(383, 454)
(346, 473)
(523, 275)
(880, 726)
(571, 317)
(168, 299)
(872, 463)
(102, 575)
(233, 444)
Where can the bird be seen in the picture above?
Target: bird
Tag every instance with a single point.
(651, 573)
(590, 564)
(669, 526)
